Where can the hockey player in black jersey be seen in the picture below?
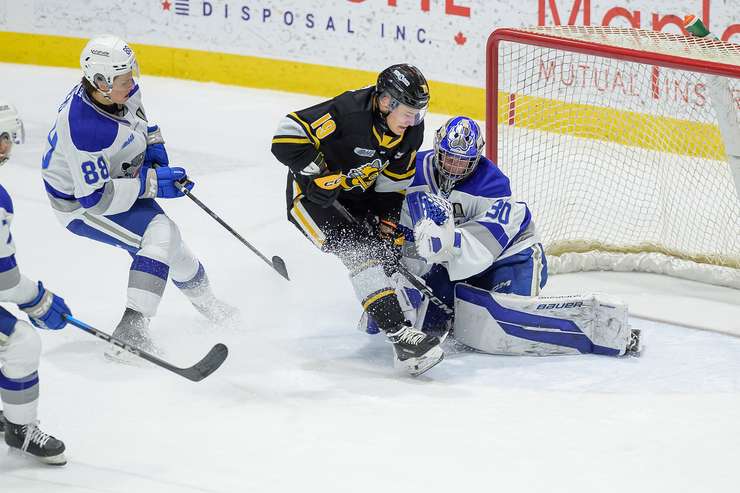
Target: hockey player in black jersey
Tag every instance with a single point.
(356, 153)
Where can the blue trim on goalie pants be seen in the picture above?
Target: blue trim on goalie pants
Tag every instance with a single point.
(527, 326)
(135, 220)
(512, 275)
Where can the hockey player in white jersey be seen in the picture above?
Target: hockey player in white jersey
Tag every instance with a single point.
(477, 248)
(20, 345)
(103, 166)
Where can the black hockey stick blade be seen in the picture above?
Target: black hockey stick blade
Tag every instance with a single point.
(279, 265)
(203, 368)
(207, 365)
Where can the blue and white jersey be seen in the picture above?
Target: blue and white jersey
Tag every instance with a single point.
(92, 158)
(14, 286)
(489, 224)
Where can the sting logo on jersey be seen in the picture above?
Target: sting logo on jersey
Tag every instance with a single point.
(363, 176)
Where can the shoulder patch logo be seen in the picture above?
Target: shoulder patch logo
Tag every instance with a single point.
(364, 152)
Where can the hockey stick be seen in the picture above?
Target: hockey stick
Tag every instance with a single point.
(210, 362)
(277, 263)
(413, 279)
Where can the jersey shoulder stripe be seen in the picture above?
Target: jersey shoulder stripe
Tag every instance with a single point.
(423, 169)
(5, 201)
(91, 131)
(487, 181)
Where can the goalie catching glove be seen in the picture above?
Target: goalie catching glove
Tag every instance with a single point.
(434, 226)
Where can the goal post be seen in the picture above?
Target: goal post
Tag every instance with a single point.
(625, 143)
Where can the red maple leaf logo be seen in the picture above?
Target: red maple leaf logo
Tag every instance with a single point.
(166, 5)
(460, 38)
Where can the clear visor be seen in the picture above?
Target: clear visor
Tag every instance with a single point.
(406, 114)
(126, 82)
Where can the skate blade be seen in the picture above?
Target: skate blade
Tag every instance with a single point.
(117, 355)
(54, 460)
(422, 364)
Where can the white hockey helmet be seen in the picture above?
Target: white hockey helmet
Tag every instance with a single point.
(11, 130)
(105, 57)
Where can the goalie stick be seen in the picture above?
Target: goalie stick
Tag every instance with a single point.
(203, 368)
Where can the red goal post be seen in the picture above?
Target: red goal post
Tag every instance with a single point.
(636, 114)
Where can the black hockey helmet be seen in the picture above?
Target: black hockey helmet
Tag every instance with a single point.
(405, 84)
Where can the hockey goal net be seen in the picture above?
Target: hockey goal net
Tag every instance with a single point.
(621, 142)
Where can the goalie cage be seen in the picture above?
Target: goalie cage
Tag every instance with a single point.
(621, 142)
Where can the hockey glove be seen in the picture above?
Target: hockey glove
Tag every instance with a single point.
(46, 310)
(434, 226)
(155, 151)
(323, 190)
(160, 182)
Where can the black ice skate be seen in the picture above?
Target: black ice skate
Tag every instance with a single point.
(415, 351)
(634, 345)
(2, 423)
(31, 440)
(133, 329)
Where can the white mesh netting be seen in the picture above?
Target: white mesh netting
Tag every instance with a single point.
(623, 162)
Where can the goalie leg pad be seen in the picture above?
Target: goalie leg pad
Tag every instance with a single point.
(510, 324)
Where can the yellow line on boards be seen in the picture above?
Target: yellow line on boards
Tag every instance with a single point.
(627, 128)
(239, 70)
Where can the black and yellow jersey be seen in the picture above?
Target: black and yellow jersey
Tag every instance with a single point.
(348, 131)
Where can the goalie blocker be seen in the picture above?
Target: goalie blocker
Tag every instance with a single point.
(520, 325)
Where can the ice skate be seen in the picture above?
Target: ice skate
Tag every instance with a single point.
(32, 441)
(133, 329)
(415, 351)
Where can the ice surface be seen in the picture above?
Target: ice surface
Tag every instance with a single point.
(305, 402)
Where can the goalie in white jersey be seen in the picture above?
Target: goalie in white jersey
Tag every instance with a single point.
(477, 248)
(103, 167)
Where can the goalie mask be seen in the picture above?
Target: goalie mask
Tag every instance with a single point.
(457, 149)
(11, 130)
(106, 58)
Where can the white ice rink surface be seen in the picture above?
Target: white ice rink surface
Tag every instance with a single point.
(305, 402)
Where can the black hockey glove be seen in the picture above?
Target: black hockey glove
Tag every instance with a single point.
(323, 190)
(320, 185)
